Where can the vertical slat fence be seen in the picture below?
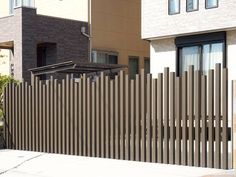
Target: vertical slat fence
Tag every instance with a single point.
(168, 119)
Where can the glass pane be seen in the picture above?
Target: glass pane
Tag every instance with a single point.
(211, 3)
(133, 67)
(192, 5)
(98, 57)
(173, 6)
(212, 54)
(112, 59)
(18, 3)
(189, 56)
(147, 66)
(11, 4)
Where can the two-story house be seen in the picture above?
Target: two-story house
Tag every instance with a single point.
(191, 32)
(41, 32)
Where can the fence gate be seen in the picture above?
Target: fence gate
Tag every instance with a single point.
(169, 119)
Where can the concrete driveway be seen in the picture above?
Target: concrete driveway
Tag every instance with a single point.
(34, 164)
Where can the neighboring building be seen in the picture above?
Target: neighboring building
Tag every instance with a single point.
(116, 34)
(42, 32)
(35, 39)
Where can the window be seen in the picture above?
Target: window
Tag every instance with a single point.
(104, 57)
(146, 65)
(211, 4)
(201, 51)
(11, 4)
(173, 7)
(133, 67)
(191, 5)
(19, 3)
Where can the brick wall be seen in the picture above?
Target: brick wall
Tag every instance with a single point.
(27, 30)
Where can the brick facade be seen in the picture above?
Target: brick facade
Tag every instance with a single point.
(27, 30)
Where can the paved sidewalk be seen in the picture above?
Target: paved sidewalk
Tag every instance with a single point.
(33, 164)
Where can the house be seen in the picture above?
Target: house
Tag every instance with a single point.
(116, 34)
(39, 36)
(191, 32)
(40, 32)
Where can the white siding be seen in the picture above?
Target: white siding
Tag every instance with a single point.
(163, 54)
(156, 23)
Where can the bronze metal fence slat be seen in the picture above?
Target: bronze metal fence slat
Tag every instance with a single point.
(112, 119)
(197, 111)
(148, 118)
(6, 112)
(127, 118)
(43, 119)
(217, 115)
(117, 122)
(36, 114)
(211, 118)
(225, 118)
(184, 119)
(172, 118)
(56, 116)
(33, 115)
(98, 127)
(137, 117)
(154, 120)
(166, 116)
(67, 114)
(89, 153)
(85, 145)
(93, 119)
(48, 108)
(16, 116)
(160, 118)
(80, 111)
(76, 119)
(122, 115)
(190, 116)
(102, 103)
(23, 116)
(51, 115)
(40, 118)
(13, 116)
(204, 121)
(143, 117)
(178, 120)
(60, 118)
(63, 116)
(30, 117)
(20, 118)
(72, 116)
(10, 118)
(132, 120)
(107, 118)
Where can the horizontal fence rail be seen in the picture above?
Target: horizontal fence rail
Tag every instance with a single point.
(169, 119)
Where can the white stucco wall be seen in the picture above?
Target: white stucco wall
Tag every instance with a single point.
(156, 23)
(70, 9)
(163, 54)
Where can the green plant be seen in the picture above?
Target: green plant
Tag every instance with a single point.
(4, 80)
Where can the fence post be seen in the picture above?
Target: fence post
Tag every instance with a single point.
(234, 122)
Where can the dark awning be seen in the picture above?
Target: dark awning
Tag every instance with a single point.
(77, 68)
